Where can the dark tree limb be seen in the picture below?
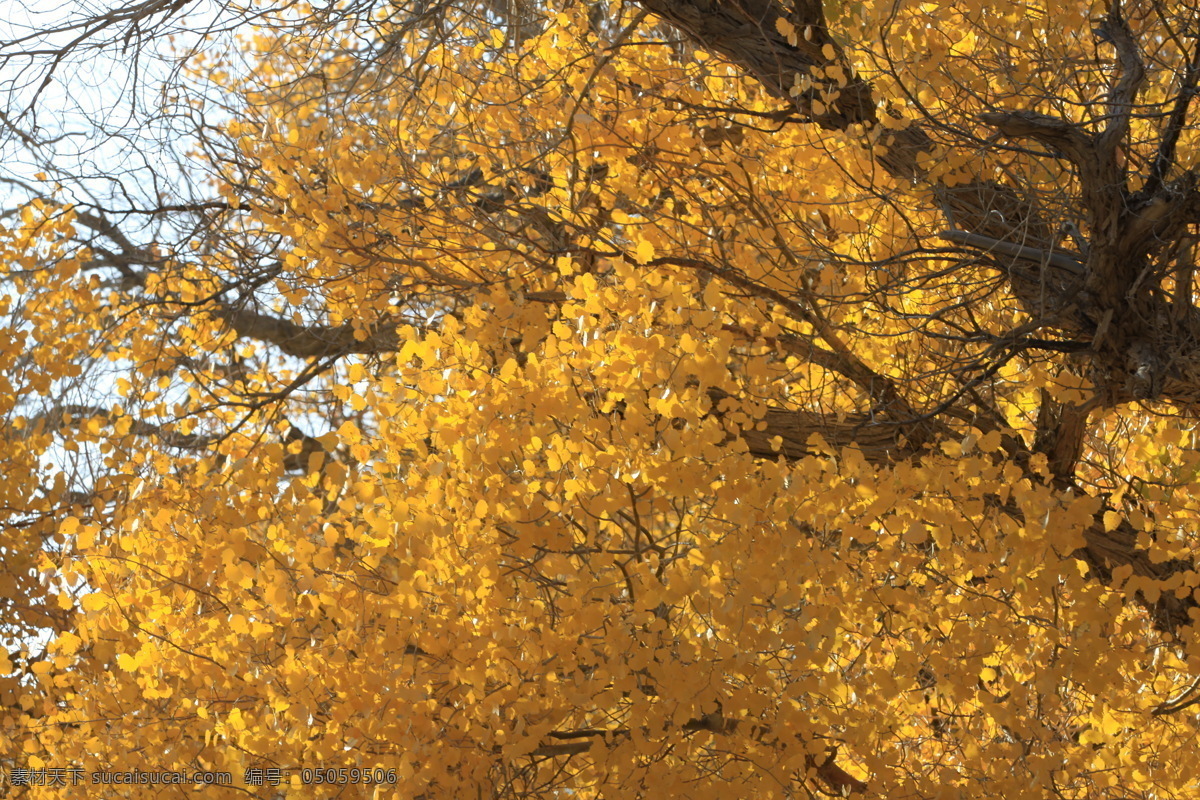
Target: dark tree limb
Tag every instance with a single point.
(59, 417)
(836, 780)
(1164, 159)
(307, 341)
(1060, 432)
(1055, 258)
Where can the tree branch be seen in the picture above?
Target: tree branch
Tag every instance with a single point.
(1059, 258)
(307, 341)
(836, 779)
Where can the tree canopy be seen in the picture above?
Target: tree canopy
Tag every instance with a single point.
(548, 398)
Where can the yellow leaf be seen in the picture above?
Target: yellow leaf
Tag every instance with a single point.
(1109, 724)
(86, 538)
(68, 642)
(94, 601)
(645, 252)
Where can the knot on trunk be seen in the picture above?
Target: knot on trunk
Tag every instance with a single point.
(1146, 368)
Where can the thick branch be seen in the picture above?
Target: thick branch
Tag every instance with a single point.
(1123, 92)
(1165, 158)
(797, 434)
(1059, 258)
(1060, 431)
(747, 32)
(60, 417)
(836, 779)
(308, 341)
(1061, 136)
(1106, 551)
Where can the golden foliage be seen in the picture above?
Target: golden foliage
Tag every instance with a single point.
(554, 402)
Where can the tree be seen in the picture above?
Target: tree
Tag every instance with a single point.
(619, 400)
